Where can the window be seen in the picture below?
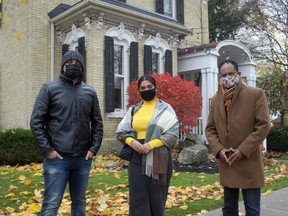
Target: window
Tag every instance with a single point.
(157, 55)
(79, 45)
(121, 67)
(171, 9)
(119, 77)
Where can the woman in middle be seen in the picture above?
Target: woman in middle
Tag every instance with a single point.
(151, 128)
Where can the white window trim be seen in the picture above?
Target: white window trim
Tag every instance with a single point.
(73, 36)
(158, 46)
(123, 38)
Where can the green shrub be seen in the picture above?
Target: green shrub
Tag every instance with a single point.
(277, 139)
(18, 146)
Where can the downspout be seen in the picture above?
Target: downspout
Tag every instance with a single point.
(52, 52)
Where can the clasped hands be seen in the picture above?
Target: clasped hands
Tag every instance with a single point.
(230, 155)
(141, 149)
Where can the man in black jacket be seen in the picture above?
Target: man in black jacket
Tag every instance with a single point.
(67, 124)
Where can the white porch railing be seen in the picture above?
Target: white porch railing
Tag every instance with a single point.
(199, 128)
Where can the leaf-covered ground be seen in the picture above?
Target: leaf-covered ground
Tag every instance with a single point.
(113, 199)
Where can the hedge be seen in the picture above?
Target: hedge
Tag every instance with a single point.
(277, 139)
(18, 146)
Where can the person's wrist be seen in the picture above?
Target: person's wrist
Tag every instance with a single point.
(133, 143)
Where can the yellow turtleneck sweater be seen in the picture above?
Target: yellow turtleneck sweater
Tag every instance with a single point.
(140, 123)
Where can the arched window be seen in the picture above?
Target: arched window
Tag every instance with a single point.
(121, 63)
(75, 40)
(157, 55)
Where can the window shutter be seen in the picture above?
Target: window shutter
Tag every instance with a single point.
(81, 49)
(133, 61)
(180, 11)
(65, 48)
(147, 59)
(168, 62)
(109, 74)
(160, 6)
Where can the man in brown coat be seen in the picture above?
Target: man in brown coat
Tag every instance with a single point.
(238, 122)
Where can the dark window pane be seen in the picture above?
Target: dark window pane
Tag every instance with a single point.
(119, 78)
(155, 66)
(119, 81)
(118, 59)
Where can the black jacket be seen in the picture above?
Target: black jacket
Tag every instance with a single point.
(67, 118)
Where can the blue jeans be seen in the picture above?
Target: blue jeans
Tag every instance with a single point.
(57, 173)
(251, 201)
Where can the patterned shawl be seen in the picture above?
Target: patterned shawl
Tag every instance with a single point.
(164, 125)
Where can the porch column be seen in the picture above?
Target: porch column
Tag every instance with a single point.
(209, 88)
(215, 80)
(205, 101)
(251, 81)
(248, 73)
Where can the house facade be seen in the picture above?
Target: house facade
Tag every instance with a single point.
(120, 41)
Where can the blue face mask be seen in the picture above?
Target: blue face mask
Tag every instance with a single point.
(73, 71)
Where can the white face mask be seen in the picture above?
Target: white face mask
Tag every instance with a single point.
(229, 81)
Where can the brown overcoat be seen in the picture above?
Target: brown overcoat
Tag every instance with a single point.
(249, 125)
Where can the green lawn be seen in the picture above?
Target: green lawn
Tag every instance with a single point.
(21, 190)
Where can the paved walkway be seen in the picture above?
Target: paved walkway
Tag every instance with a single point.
(273, 204)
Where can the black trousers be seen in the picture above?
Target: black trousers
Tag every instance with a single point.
(145, 197)
(251, 201)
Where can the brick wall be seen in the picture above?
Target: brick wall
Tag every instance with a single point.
(24, 62)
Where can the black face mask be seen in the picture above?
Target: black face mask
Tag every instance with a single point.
(73, 71)
(148, 95)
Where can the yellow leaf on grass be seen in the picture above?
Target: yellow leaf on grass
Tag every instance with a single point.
(25, 193)
(22, 178)
(117, 176)
(9, 195)
(184, 207)
(13, 187)
(38, 174)
(208, 188)
(9, 210)
(169, 204)
(4, 173)
(267, 192)
(27, 182)
(107, 212)
(34, 208)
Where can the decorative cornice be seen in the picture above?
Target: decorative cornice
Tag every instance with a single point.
(116, 13)
(140, 30)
